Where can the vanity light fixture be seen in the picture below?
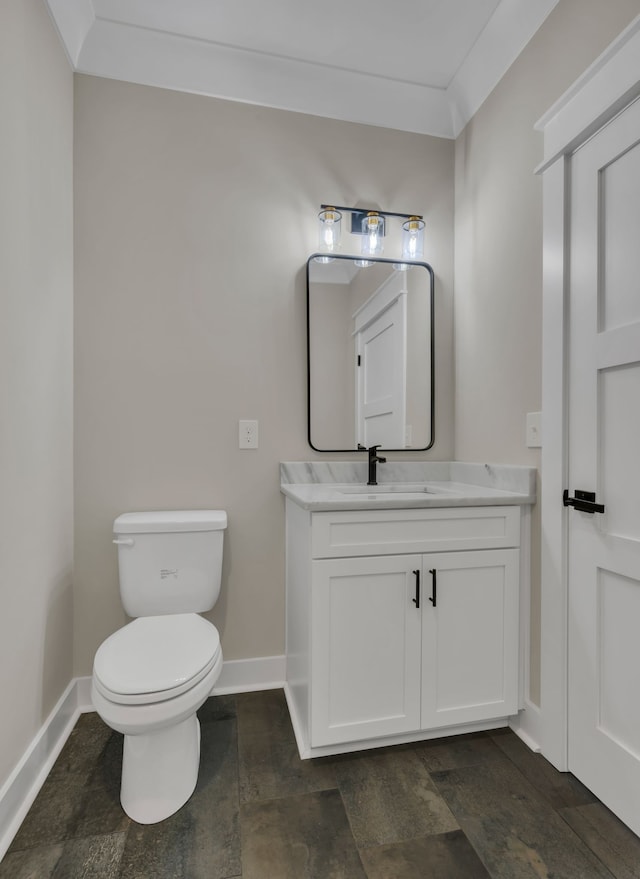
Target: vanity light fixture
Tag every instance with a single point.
(371, 225)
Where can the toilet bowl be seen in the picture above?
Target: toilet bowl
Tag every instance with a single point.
(151, 676)
(149, 679)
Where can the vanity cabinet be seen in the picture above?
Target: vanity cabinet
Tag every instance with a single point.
(400, 623)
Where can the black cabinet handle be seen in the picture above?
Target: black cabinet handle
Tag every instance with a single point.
(434, 587)
(416, 600)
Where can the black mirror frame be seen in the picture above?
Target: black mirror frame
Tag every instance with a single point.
(431, 354)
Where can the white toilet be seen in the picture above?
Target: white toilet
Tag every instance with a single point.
(151, 676)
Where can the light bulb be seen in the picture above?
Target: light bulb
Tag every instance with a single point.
(413, 238)
(329, 228)
(372, 234)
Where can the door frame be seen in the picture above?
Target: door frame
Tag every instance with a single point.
(609, 85)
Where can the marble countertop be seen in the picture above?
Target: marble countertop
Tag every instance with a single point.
(341, 485)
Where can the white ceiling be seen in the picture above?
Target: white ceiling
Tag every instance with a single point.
(416, 65)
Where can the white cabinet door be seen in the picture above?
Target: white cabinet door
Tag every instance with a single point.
(365, 648)
(469, 636)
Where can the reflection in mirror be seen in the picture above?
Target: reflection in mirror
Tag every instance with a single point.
(370, 354)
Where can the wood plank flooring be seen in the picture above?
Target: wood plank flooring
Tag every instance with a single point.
(468, 807)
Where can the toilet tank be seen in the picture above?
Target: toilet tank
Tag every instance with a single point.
(170, 561)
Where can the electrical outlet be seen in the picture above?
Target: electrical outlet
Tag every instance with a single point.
(534, 430)
(248, 434)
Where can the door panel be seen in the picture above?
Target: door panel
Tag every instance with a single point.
(619, 435)
(604, 426)
(620, 197)
(617, 651)
(381, 392)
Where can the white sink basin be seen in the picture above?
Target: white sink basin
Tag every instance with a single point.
(396, 488)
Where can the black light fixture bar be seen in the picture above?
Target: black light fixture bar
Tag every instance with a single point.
(364, 211)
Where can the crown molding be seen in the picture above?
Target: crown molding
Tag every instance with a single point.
(147, 56)
(152, 57)
(508, 31)
(73, 20)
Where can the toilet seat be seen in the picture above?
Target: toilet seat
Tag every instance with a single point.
(155, 659)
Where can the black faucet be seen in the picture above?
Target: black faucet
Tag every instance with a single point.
(373, 460)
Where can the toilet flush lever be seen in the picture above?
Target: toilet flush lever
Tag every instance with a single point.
(124, 541)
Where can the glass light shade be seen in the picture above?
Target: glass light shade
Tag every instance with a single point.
(413, 238)
(372, 234)
(329, 229)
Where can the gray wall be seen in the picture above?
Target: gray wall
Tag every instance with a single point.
(194, 219)
(498, 264)
(36, 265)
(332, 367)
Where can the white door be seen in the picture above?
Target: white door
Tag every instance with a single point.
(469, 636)
(381, 378)
(604, 457)
(365, 648)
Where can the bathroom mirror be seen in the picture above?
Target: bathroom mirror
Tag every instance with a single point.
(369, 354)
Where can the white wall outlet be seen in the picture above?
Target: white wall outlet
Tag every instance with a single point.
(534, 430)
(247, 434)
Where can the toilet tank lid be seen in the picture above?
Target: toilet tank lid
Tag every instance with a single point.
(170, 520)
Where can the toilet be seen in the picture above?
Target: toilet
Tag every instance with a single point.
(151, 676)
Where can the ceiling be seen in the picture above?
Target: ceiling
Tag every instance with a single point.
(415, 65)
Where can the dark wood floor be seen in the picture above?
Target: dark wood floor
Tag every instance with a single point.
(473, 806)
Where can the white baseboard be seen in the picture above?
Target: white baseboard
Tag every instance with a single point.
(527, 725)
(250, 675)
(83, 694)
(24, 783)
